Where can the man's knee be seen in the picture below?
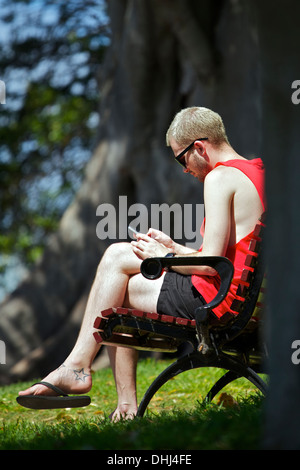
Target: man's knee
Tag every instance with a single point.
(115, 254)
(117, 249)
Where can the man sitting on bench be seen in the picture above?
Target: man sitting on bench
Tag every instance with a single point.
(233, 200)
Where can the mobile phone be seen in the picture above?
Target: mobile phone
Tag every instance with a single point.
(131, 229)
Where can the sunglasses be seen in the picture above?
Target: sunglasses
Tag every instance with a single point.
(179, 158)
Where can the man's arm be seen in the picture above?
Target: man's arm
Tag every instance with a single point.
(218, 195)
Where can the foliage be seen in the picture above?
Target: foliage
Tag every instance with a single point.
(175, 419)
(49, 60)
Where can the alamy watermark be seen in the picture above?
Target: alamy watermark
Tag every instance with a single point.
(180, 222)
(2, 92)
(2, 352)
(296, 354)
(296, 94)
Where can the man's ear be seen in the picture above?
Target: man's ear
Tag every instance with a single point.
(201, 148)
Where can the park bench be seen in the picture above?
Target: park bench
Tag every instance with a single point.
(233, 343)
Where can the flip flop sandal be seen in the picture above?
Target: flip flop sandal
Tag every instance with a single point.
(44, 402)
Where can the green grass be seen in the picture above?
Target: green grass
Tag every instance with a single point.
(175, 418)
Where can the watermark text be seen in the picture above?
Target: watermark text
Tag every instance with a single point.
(296, 354)
(180, 222)
(296, 94)
(2, 352)
(2, 92)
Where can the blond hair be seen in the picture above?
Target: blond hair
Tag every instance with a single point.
(196, 122)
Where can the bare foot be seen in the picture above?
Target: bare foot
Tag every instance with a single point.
(125, 411)
(74, 380)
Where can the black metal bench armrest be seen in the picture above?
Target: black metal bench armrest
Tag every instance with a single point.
(152, 268)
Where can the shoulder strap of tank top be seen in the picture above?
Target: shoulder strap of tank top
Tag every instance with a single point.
(254, 170)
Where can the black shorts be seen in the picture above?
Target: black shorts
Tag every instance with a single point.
(178, 297)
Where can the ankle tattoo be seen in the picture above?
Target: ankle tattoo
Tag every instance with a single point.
(80, 374)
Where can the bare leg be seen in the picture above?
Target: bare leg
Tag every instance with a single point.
(118, 266)
(141, 294)
(123, 363)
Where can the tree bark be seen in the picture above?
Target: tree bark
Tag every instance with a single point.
(163, 56)
(279, 45)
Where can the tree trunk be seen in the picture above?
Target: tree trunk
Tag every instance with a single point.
(163, 56)
(279, 38)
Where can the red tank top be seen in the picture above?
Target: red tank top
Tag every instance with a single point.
(208, 285)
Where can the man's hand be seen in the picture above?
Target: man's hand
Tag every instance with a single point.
(148, 247)
(161, 238)
(167, 241)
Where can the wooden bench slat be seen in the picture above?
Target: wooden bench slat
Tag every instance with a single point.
(100, 323)
(254, 245)
(251, 260)
(146, 315)
(246, 274)
(257, 231)
(151, 343)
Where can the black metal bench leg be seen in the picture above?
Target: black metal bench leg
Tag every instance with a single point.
(228, 377)
(254, 378)
(235, 370)
(242, 370)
